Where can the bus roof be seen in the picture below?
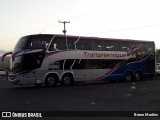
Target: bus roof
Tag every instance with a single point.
(92, 38)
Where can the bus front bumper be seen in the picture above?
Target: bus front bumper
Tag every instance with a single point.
(17, 80)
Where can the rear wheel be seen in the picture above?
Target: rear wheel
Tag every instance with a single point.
(128, 76)
(67, 80)
(137, 76)
(51, 80)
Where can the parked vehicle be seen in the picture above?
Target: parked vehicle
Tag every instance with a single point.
(3, 72)
(158, 69)
(50, 59)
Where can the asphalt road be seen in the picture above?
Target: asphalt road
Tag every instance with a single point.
(117, 96)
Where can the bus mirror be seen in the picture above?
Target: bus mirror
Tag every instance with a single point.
(3, 73)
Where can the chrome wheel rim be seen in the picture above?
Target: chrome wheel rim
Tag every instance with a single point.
(137, 76)
(51, 81)
(128, 77)
(66, 80)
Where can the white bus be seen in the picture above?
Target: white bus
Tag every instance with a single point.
(51, 59)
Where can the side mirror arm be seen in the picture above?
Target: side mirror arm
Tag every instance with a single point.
(8, 53)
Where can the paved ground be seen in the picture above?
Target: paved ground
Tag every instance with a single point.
(118, 96)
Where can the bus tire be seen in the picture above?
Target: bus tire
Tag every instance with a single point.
(67, 80)
(128, 76)
(138, 76)
(51, 80)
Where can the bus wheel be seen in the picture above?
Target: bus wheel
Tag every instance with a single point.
(67, 80)
(137, 76)
(128, 76)
(51, 81)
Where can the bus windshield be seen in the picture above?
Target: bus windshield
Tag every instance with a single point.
(21, 62)
(33, 42)
(21, 43)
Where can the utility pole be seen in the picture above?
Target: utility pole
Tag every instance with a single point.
(64, 22)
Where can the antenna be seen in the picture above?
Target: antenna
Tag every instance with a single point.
(64, 22)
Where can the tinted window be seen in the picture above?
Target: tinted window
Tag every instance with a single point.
(148, 47)
(71, 43)
(108, 64)
(83, 44)
(125, 46)
(97, 45)
(38, 42)
(143, 49)
(102, 64)
(21, 43)
(68, 64)
(112, 46)
(58, 44)
(95, 64)
(80, 64)
(32, 61)
(17, 64)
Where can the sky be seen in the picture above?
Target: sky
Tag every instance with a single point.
(124, 19)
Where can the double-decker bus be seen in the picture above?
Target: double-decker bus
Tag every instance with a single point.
(51, 59)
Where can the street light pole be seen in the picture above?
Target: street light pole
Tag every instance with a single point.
(64, 22)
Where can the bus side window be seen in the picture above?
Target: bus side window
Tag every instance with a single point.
(61, 43)
(149, 47)
(58, 44)
(124, 46)
(51, 47)
(83, 44)
(112, 46)
(93, 64)
(80, 64)
(70, 42)
(96, 45)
